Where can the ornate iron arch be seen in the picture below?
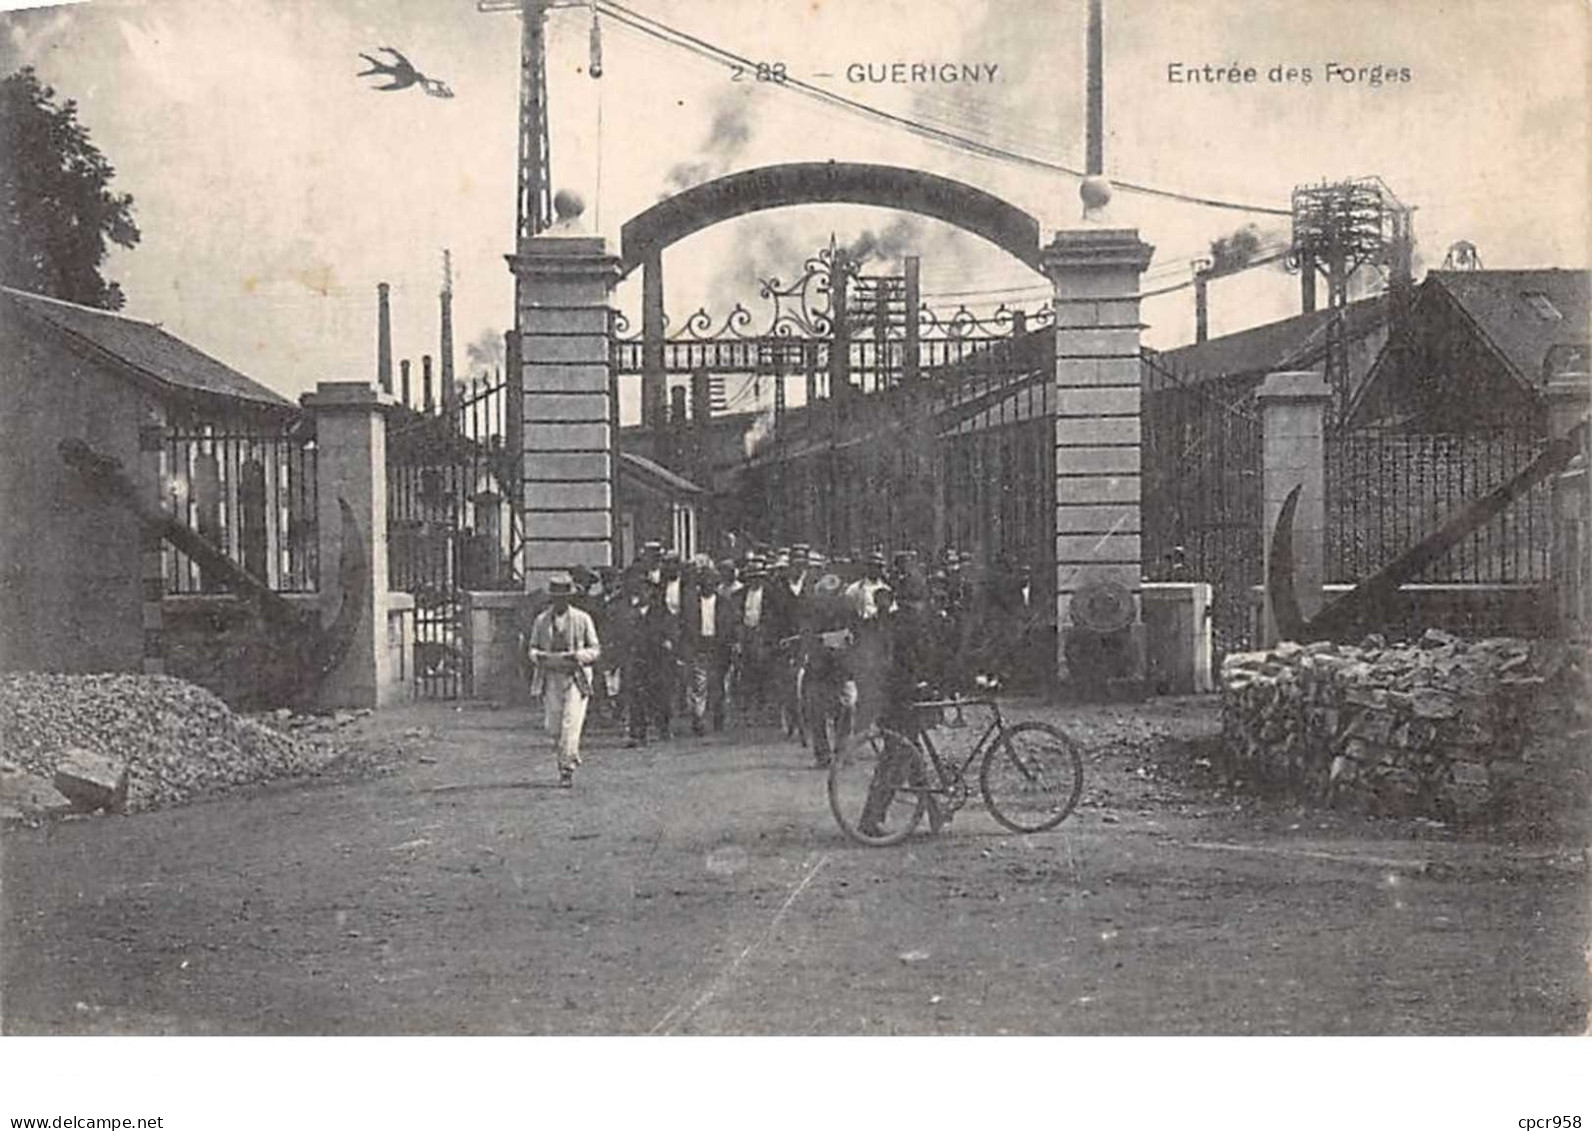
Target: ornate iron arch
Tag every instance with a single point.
(829, 182)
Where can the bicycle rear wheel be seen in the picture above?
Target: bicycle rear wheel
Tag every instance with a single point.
(870, 787)
(1032, 777)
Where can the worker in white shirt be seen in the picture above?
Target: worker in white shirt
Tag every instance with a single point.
(862, 594)
(705, 638)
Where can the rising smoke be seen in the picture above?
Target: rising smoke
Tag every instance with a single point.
(1237, 250)
(902, 236)
(763, 248)
(728, 135)
(484, 355)
(1233, 252)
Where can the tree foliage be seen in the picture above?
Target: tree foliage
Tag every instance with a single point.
(57, 212)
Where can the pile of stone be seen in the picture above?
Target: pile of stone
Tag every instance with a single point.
(132, 742)
(1440, 728)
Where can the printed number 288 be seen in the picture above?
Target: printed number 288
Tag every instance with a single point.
(763, 72)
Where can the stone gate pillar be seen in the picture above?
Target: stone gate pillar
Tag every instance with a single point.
(564, 285)
(1095, 273)
(1293, 422)
(351, 465)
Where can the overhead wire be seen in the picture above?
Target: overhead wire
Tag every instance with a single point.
(660, 30)
(1264, 256)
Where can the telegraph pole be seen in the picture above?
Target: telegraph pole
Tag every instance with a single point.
(1094, 126)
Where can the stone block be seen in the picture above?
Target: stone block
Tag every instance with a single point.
(1086, 431)
(1097, 489)
(580, 320)
(563, 349)
(91, 780)
(544, 555)
(1087, 342)
(1097, 401)
(1106, 460)
(1082, 548)
(567, 437)
(1097, 519)
(554, 378)
(564, 467)
(555, 525)
(572, 407)
(1083, 372)
(569, 496)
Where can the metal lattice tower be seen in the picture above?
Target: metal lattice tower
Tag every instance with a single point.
(534, 199)
(1338, 229)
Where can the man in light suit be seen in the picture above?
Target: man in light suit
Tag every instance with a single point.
(563, 648)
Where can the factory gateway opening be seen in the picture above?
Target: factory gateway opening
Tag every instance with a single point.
(837, 407)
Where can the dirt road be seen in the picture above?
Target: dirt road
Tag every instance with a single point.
(702, 887)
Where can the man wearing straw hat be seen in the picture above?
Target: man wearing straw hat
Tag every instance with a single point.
(563, 648)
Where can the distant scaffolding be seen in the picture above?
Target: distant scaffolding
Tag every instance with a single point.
(1339, 229)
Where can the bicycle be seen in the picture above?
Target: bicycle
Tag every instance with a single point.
(1031, 777)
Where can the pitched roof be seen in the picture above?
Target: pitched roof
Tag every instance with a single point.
(144, 346)
(1293, 342)
(646, 467)
(1520, 327)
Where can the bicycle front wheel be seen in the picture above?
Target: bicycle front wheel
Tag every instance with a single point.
(872, 790)
(1032, 777)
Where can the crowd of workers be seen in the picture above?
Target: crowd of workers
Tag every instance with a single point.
(785, 638)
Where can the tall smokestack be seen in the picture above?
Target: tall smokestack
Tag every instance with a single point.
(1094, 127)
(840, 326)
(383, 339)
(449, 392)
(701, 398)
(1202, 280)
(403, 377)
(428, 402)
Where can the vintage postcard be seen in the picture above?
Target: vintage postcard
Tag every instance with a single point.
(795, 518)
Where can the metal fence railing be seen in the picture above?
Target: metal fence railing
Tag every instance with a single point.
(1386, 491)
(452, 519)
(249, 488)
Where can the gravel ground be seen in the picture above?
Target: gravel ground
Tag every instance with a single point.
(703, 887)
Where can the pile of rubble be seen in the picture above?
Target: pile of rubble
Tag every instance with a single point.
(131, 742)
(1441, 728)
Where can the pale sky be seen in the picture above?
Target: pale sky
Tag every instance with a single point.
(275, 191)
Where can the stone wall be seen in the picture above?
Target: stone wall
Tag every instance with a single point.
(1441, 728)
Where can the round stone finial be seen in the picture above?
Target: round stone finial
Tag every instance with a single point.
(567, 206)
(1095, 191)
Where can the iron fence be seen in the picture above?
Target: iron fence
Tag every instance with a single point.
(1387, 490)
(249, 488)
(452, 520)
(1201, 491)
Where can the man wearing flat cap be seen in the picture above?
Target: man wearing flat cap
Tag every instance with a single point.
(563, 647)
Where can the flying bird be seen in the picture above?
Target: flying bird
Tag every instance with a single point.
(403, 74)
